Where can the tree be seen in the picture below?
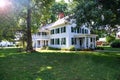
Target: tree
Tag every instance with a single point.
(110, 38)
(87, 13)
(99, 15)
(58, 7)
(36, 5)
(8, 26)
(113, 6)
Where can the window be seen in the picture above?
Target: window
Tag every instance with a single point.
(52, 31)
(52, 41)
(63, 41)
(73, 41)
(63, 29)
(86, 31)
(44, 33)
(72, 29)
(91, 39)
(87, 42)
(57, 41)
(39, 33)
(78, 30)
(83, 31)
(57, 30)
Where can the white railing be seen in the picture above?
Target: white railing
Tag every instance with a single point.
(40, 37)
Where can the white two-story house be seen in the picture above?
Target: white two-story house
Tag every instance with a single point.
(64, 34)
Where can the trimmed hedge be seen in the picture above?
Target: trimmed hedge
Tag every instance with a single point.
(115, 44)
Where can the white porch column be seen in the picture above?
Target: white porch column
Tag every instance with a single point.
(95, 42)
(36, 44)
(78, 43)
(89, 42)
(44, 42)
(85, 42)
(41, 43)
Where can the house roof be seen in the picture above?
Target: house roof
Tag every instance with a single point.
(59, 22)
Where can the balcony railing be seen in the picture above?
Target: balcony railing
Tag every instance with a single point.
(40, 36)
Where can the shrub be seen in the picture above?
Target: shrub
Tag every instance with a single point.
(115, 44)
(72, 48)
(99, 48)
(64, 49)
(110, 38)
(52, 48)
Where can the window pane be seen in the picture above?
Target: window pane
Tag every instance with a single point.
(83, 31)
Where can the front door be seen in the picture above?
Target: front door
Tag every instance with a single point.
(80, 42)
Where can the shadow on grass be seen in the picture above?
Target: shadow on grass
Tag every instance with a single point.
(58, 66)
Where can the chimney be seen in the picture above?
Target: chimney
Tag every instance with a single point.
(61, 15)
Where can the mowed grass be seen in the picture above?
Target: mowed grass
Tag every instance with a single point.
(111, 49)
(59, 65)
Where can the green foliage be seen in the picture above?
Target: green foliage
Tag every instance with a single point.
(72, 48)
(51, 48)
(115, 44)
(113, 7)
(110, 38)
(57, 8)
(86, 12)
(99, 48)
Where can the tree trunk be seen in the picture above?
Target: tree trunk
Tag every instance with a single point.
(29, 47)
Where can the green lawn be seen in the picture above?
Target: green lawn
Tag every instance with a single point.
(111, 49)
(59, 65)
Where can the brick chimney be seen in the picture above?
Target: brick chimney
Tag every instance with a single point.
(60, 15)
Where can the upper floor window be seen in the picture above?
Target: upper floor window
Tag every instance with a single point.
(63, 29)
(52, 31)
(78, 30)
(83, 31)
(86, 31)
(39, 33)
(44, 33)
(57, 30)
(73, 29)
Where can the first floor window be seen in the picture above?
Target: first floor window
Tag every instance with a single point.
(57, 41)
(63, 41)
(52, 41)
(73, 41)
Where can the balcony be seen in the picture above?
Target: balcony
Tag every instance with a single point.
(41, 37)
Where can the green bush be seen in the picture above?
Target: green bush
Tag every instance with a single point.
(64, 49)
(72, 48)
(110, 38)
(99, 48)
(115, 44)
(51, 48)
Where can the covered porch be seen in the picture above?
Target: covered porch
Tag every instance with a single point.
(85, 41)
(40, 43)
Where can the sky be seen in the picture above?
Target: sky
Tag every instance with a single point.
(67, 1)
